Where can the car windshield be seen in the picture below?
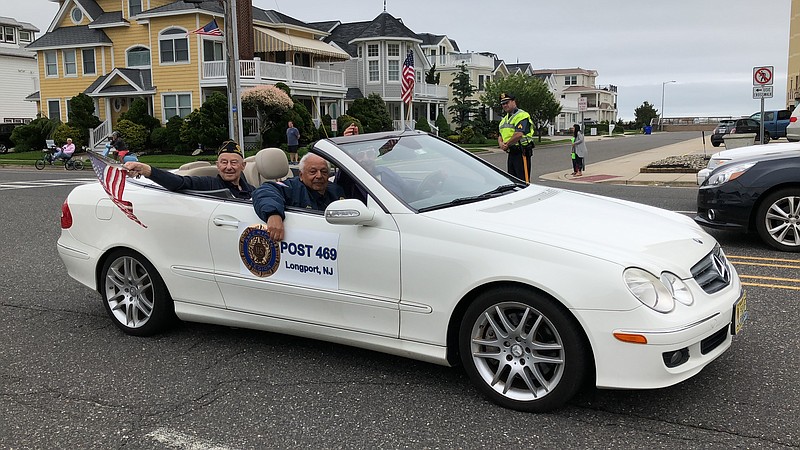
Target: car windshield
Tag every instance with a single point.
(726, 123)
(428, 173)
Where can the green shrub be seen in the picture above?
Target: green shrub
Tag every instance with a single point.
(33, 135)
(207, 125)
(344, 121)
(372, 113)
(467, 134)
(137, 113)
(172, 139)
(82, 118)
(133, 134)
(64, 131)
(422, 125)
(443, 126)
(454, 138)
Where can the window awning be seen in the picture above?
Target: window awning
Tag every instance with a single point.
(273, 41)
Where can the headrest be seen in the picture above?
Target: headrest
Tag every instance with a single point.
(271, 163)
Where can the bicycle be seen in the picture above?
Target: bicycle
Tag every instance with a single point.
(69, 163)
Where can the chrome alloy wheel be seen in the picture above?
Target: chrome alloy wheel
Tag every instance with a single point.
(782, 221)
(129, 292)
(517, 351)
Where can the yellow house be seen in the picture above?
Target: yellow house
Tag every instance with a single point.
(118, 50)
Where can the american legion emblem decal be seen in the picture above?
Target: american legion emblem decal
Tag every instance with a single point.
(259, 253)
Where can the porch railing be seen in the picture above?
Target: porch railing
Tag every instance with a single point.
(263, 72)
(98, 134)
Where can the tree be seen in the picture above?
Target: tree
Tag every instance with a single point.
(644, 114)
(207, 125)
(443, 126)
(431, 77)
(372, 113)
(137, 113)
(270, 102)
(33, 135)
(463, 107)
(81, 116)
(532, 96)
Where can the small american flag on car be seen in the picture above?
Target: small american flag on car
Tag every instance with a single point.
(112, 177)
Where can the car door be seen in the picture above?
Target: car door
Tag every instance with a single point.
(339, 276)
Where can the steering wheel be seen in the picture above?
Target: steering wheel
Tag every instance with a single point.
(431, 184)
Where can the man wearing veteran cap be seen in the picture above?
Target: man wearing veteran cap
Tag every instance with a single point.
(230, 164)
(516, 137)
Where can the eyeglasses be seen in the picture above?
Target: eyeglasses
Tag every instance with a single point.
(505, 102)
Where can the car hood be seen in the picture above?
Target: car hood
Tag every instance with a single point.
(626, 233)
(755, 150)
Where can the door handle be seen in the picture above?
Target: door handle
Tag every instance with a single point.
(220, 222)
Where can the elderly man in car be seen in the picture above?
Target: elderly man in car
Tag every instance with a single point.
(230, 164)
(311, 190)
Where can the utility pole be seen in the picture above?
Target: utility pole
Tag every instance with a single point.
(234, 91)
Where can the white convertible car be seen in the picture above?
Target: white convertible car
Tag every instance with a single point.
(534, 290)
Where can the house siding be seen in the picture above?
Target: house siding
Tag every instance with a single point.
(19, 77)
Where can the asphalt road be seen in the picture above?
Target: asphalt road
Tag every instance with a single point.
(70, 379)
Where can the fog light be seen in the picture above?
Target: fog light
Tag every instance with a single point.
(711, 214)
(676, 358)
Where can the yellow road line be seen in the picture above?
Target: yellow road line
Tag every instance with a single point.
(764, 259)
(780, 266)
(778, 286)
(790, 280)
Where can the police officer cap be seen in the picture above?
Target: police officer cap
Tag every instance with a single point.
(230, 147)
(506, 97)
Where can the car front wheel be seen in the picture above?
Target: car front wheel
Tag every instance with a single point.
(778, 220)
(134, 294)
(521, 350)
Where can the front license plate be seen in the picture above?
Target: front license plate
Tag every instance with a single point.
(739, 314)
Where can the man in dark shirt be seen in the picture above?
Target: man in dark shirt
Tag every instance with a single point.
(310, 190)
(230, 164)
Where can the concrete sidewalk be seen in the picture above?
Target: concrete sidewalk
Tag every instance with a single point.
(625, 169)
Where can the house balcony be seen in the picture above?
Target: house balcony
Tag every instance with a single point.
(452, 60)
(429, 91)
(301, 80)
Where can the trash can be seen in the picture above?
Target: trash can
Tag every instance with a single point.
(648, 129)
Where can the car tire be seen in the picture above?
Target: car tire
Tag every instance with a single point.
(715, 144)
(778, 220)
(134, 295)
(511, 365)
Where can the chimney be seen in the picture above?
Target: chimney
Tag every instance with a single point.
(244, 21)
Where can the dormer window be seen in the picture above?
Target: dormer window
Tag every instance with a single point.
(8, 35)
(138, 57)
(134, 7)
(24, 36)
(76, 15)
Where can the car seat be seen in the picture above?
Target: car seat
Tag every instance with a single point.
(269, 164)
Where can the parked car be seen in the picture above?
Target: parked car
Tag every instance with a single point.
(5, 136)
(760, 194)
(793, 129)
(775, 122)
(736, 126)
(464, 265)
(735, 154)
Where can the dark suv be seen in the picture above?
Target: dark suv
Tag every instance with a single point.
(736, 126)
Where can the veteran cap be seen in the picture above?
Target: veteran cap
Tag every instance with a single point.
(230, 147)
(504, 97)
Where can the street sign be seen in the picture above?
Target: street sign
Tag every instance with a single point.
(762, 76)
(583, 104)
(333, 124)
(762, 91)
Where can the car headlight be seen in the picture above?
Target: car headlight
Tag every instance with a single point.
(679, 290)
(729, 173)
(649, 290)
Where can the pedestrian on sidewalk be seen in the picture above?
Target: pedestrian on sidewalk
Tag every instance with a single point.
(292, 141)
(579, 151)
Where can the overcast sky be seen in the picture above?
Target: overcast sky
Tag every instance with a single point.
(709, 47)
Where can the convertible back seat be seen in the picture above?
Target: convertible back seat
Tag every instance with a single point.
(269, 164)
(197, 169)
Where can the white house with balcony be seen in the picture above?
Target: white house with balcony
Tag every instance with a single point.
(18, 70)
(575, 83)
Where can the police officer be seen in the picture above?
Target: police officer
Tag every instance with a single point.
(516, 137)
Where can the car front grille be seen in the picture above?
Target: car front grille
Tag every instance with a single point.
(710, 343)
(713, 272)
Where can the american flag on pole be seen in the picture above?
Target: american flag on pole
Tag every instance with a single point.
(211, 29)
(112, 178)
(408, 79)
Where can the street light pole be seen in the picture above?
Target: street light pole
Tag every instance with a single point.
(661, 116)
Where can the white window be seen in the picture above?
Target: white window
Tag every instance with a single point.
(372, 51)
(50, 63)
(54, 109)
(76, 15)
(8, 35)
(393, 50)
(68, 102)
(89, 66)
(213, 50)
(134, 7)
(482, 82)
(70, 66)
(24, 36)
(374, 71)
(571, 80)
(138, 57)
(393, 70)
(174, 46)
(176, 105)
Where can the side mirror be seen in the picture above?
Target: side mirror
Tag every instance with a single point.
(349, 212)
